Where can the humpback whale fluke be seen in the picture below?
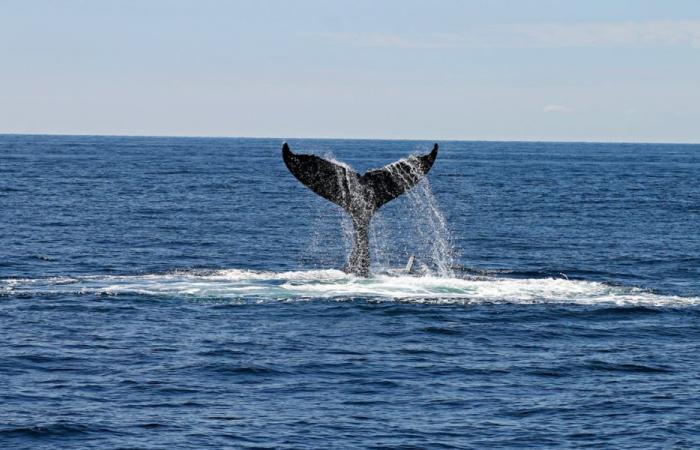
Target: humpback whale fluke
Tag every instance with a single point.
(359, 195)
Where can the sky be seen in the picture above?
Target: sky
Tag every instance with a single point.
(552, 70)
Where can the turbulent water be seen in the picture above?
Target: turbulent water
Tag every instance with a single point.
(185, 293)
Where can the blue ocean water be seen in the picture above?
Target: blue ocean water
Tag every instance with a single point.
(169, 293)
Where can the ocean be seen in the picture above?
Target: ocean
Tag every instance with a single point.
(185, 293)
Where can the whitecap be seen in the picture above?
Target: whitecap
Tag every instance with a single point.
(334, 284)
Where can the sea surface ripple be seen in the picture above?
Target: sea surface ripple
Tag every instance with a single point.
(182, 293)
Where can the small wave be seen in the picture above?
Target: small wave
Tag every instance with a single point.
(234, 369)
(625, 367)
(244, 285)
(10, 189)
(45, 258)
(54, 429)
(442, 330)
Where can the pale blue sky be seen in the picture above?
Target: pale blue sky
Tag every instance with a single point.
(592, 70)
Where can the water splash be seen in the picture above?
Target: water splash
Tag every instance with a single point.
(414, 226)
(240, 285)
(410, 225)
(430, 231)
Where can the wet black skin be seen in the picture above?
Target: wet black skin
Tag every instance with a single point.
(359, 195)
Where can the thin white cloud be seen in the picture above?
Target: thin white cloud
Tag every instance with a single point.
(554, 108)
(654, 33)
(670, 33)
(389, 40)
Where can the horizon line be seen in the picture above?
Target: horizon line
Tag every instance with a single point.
(193, 136)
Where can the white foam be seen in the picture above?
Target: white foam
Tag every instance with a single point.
(334, 284)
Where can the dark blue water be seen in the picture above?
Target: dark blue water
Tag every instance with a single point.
(170, 293)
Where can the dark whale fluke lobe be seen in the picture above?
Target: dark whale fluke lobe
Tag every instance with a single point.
(359, 195)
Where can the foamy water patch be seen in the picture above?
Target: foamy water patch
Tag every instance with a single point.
(253, 285)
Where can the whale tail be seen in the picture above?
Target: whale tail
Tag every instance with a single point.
(359, 195)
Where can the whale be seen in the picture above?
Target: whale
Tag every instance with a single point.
(359, 195)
